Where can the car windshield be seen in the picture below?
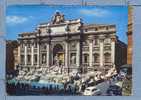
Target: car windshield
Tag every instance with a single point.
(114, 87)
(94, 90)
(87, 89)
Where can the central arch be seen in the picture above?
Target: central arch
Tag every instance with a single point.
(58, 55)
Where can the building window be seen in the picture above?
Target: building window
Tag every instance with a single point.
(85, 43)
(107, 41)
(44, 47)
(28, 45)
(35, 45)
(96, 58)
(73, 58)
(22, 59)
(35, 58)
(43, 58)
(86, 58)
(73, 45)
(107, 57)
(96, 41)
(28, 59)
(22, 45)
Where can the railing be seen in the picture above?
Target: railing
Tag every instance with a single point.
(96, 48)
(108, 63)
(35, 63)
(43, 50)
(35, 49)
(96, 63)
(29, 63)
(85, 64)
(107, 48)
(85, 48)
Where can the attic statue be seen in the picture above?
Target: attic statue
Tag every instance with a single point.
(58, 18)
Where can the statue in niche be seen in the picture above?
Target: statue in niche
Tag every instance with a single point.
(44, 58)
(73, 58)
(56, 60)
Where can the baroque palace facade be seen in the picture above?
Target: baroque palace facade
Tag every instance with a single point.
(71, 46)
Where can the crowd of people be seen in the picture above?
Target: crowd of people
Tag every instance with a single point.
(51, 89)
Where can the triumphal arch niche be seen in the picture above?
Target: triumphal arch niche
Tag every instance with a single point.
(71, 45)
(58, 55)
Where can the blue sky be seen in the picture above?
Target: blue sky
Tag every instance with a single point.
(26, 18)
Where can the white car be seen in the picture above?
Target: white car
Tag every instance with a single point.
(92, 91)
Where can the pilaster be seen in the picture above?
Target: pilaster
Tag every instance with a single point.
(101, 51)
(90, 53)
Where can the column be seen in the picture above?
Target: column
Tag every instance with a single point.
(19, 54)
(113, 51)
(25, 54)
(32, 55)
(101, 52)
(78, 54)
(90, 53)
(38, 54)
(66, 54)
(48, 55)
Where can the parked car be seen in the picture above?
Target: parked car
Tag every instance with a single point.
(114, 90)
(92, 91)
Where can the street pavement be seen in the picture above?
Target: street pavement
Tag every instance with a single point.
(105, 85)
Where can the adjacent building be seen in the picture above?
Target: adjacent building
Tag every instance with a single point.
(129, 35)
(11, 56)
(72, 46)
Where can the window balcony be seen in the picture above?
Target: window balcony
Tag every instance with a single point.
(35, 63)
(85, 48)
(85, 64)
(96, 48)
(107, 63)
(28, 63)
(96, 64)
(107, 44)
(107, 48)
(97, 45)
(35, 49)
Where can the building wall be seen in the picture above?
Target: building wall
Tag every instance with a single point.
(11, 55)
(85, 47)
(129, 36)
(129, 50)
(121, 54)
(87, 58)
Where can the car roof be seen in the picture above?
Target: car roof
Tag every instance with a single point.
(92, 87)
(113, 86)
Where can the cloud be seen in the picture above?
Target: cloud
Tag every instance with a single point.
(95, 12)
(16, 19)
